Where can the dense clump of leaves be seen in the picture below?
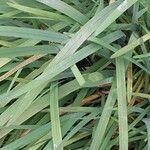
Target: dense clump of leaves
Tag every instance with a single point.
(74, 74)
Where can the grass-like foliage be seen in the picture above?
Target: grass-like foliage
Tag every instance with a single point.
(74, 74)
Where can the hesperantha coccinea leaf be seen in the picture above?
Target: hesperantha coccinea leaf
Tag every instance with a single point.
(74, 75)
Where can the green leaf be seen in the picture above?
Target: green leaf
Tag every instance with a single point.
(36, 34)
(39, 12)
(103, 122)
(28, 50)
(147, 122)
(54, 112)
(131, 46)
(65, 9)
(122, 104)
